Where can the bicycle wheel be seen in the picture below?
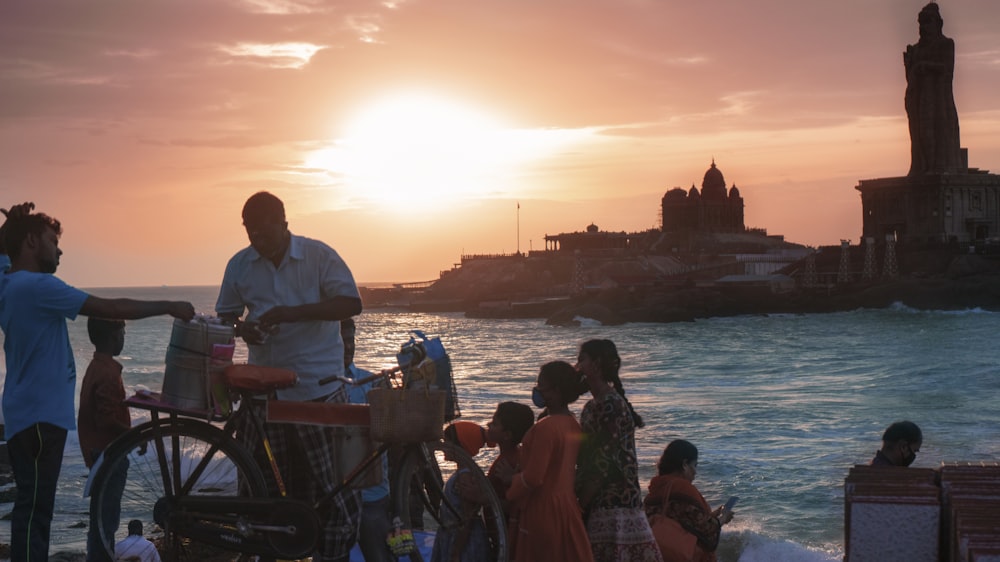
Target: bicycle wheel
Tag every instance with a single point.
(146, 472)
(425, 477)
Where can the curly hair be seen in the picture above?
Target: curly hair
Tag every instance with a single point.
(15, 231)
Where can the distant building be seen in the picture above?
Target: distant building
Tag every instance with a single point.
(715, 209)
(592, 239)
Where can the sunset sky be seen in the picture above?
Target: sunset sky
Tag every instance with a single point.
(405, 132)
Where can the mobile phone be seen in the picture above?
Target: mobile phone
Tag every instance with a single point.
(731, 502)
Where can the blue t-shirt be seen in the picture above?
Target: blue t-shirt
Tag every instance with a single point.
(41, 373)
(358, 394)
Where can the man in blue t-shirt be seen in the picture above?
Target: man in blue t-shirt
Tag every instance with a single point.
(38, 392)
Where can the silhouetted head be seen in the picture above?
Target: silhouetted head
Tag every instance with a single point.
(930, 20)
(679, 458)
(38, 233)
(135, 527)
(510, 421)
(263, 206)
(605, 354)
(559, 383)
(108, 336)
(264, 220)
(901, 442)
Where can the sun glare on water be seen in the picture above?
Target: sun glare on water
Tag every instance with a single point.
(414, 150)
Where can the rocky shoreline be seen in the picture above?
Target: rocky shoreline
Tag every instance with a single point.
(522, 289)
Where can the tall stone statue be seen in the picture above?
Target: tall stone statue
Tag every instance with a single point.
(930, 103)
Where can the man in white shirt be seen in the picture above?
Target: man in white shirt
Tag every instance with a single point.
(295, 291)
(135, 547)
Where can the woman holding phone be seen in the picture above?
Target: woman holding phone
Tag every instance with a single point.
(685, 527)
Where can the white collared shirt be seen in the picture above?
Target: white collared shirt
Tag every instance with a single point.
(136, 547)
(310, 272)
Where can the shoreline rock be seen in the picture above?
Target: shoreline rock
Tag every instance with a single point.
(928, 280)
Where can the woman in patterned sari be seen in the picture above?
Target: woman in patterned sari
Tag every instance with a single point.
(607, 479)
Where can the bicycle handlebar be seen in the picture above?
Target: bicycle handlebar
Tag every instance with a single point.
(347, 380)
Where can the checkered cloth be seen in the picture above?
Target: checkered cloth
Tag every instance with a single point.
(305, 458)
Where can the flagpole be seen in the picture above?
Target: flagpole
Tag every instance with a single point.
(519, 228)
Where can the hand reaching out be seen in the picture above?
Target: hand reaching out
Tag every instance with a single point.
(15, 212)
(18, 211)
(183, 310)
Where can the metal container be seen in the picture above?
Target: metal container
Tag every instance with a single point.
(186, 382)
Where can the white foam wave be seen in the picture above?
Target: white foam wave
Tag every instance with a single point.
(587, 322)
(901, 307)
(898, 306)
(749, 546)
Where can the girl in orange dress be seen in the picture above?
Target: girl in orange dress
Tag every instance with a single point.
(550, 526)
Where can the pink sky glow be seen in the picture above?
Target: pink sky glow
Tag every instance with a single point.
(404, 133)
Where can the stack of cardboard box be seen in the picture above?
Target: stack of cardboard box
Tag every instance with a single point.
(891, 514)
(970, 500)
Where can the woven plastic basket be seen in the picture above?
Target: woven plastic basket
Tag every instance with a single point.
(407, 416)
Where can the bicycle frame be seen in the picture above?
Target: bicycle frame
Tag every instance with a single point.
(255, 524)
(182, 512)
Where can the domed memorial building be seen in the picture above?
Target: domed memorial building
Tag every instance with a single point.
(714, 209)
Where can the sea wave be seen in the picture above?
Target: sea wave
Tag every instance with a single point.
(779, 406)
(901, 307)
(751, 546)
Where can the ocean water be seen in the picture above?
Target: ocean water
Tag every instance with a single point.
(780, 406)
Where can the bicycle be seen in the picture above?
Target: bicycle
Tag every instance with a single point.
(195, 482)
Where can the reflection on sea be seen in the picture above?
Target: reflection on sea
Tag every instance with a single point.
(779, 406)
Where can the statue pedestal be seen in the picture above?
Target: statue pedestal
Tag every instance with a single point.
(932, 209)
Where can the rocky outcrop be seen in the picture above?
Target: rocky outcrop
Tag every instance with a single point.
(965, 282)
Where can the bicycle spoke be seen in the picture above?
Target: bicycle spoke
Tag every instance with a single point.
(160, 462)
(422, 478)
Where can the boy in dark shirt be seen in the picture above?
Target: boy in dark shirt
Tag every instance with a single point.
(103, 417)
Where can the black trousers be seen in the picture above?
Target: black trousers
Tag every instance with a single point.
(36, 455)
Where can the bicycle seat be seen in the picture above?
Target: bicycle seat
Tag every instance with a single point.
(258, 379)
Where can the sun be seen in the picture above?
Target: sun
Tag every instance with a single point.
(418, 149)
